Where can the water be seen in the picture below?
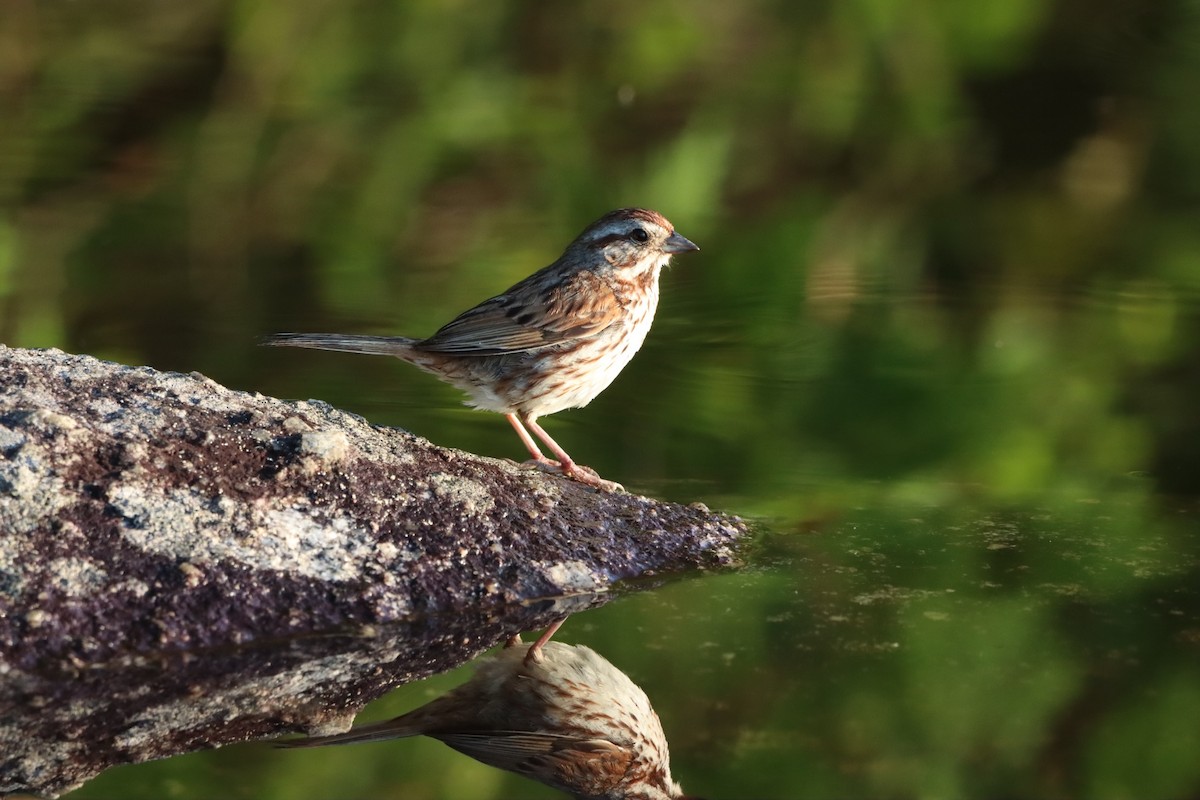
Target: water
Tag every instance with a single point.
(942, 342)
(903, 651)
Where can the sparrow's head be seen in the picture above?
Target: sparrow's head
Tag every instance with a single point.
(634, 239)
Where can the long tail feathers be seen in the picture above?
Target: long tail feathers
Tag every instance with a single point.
(371, 345)
(378, 732)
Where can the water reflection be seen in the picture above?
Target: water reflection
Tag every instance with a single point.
(62, 724)
(558, 713)
(943, 333)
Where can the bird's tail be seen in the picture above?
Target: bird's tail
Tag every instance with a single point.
(378, 732)
(397, 346)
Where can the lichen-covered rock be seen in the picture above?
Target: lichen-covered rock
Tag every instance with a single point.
(149, 516)
(64, 724)
(142, 510)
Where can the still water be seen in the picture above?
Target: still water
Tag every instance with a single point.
(993, 624)
(941, 343)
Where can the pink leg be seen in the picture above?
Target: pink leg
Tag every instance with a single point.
(535, 649)
(564, 460)
(565, 464)
(527, 440)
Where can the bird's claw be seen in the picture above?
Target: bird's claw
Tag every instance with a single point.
(545, 465)
(576, 472)
(590, 477)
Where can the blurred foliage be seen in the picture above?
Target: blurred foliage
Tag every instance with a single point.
(949, 286)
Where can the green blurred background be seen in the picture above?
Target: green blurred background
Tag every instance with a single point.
(942, 339)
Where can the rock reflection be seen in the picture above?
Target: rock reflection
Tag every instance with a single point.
(558, 713)
(61, 725)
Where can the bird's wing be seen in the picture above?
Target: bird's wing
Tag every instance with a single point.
(528, 318)
(567, 762)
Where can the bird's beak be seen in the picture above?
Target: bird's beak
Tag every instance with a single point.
(678, 244)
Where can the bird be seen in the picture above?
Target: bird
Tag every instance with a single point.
(557, 713)
(553, 341)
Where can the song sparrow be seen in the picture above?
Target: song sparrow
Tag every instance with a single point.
(553, 341)
(557, 713)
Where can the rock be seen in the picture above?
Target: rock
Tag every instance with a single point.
(155, 515)
(134, 504)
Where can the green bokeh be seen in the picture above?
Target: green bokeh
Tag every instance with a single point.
(942, 339)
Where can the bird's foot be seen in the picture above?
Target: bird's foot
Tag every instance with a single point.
(545, 465)
(590, 477)
(534, 654)
(577, 472)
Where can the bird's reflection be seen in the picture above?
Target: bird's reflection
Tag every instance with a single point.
(557, 713)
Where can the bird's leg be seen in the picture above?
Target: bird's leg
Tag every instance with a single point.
(564, 461)
(565, 465)
(529, 443)
(535, 649)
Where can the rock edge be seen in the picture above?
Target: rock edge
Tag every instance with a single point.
(146, 511)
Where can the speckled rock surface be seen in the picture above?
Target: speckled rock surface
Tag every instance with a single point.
(62, 725)
(156, 513)
(144, 510)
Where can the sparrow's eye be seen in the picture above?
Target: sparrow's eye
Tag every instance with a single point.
(639, 235)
